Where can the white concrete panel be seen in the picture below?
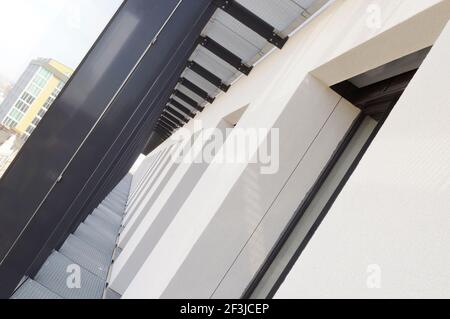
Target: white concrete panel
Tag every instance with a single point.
(388, 24)
(132, 209)
(151, 195)
(161, 214)
(387, 235)
(315, 208)
(257, 248)
(142, 173)
(151, 175)
(243, 208)
(140, 187)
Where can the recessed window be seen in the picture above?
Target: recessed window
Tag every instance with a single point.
(376, 93)
(36, 121)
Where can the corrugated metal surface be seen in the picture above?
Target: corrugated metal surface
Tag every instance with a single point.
(91, 236)
(279, 13)
(34, 290)
(90, 248)
(87, 257)
(54, 275)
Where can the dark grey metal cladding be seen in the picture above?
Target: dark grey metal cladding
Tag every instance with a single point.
(121, 166)
(140, 124)
(149, 113)
(90, 250)
(102, 160)
(142, 121)
(163, 132)
(156, 138)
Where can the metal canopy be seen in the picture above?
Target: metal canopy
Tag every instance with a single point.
(239, 34)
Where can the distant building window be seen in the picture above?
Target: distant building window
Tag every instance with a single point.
(27, 98)
(22, 106)
(57, 90)
(48, 103)
(42, 78)
(16, 115)
(36, 121)
(42, 113)
(40, 81)
(34, 90)
(8, 122)
(30, 130)
(44, 73)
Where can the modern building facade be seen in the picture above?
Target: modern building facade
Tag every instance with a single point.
(295, 149)
(34, 93)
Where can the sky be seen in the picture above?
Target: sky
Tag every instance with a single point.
(60, 29)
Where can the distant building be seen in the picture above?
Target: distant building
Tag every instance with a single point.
(32, 96)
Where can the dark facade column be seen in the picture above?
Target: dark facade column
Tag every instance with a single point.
(96, 128)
